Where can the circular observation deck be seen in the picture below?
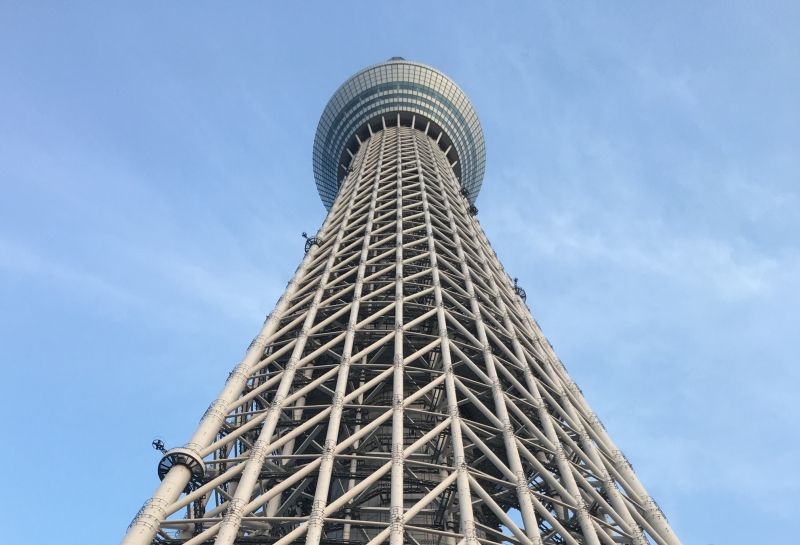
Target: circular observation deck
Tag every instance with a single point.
(398, 92)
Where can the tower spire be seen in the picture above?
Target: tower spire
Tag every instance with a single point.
(400, 391)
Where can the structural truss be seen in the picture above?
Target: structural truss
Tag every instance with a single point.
(400, 392)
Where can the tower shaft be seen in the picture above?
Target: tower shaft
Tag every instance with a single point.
(399, 392)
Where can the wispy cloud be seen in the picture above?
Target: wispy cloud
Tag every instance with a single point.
(176, 293)
(694, 260)
(20, 260)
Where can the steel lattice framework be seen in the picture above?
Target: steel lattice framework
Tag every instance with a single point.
(399, 391)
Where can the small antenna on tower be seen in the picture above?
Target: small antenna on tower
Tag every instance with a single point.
(519, 291)
(158, 444)
(310, 241)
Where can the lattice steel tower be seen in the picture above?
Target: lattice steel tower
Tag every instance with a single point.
(400, 390)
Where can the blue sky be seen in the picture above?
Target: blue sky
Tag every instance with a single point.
(642, 182)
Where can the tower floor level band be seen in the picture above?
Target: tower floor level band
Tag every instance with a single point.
(400, 391)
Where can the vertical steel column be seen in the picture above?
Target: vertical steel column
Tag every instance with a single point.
(509, 440)
(351, 482)
(147, 521)
(288, 449)
(554, 365)
(229, 527)
(316, 520)
(565, 469)
(466, 516)
(397, 503)
(652, 514)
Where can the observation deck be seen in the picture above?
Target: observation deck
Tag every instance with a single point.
(392, 92)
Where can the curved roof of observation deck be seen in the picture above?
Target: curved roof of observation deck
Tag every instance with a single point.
(392, 87)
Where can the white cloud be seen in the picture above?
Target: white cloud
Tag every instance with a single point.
(693, 260)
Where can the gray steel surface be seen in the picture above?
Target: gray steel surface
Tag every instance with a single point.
(400, 391)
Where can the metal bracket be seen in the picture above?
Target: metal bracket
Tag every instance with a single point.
(519, 291)
(310, 241)
(184, 457)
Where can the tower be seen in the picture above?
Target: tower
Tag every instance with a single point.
(400, 391)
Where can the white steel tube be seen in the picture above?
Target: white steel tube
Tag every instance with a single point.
(230, 525)
(467, 520)
(526, 507)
